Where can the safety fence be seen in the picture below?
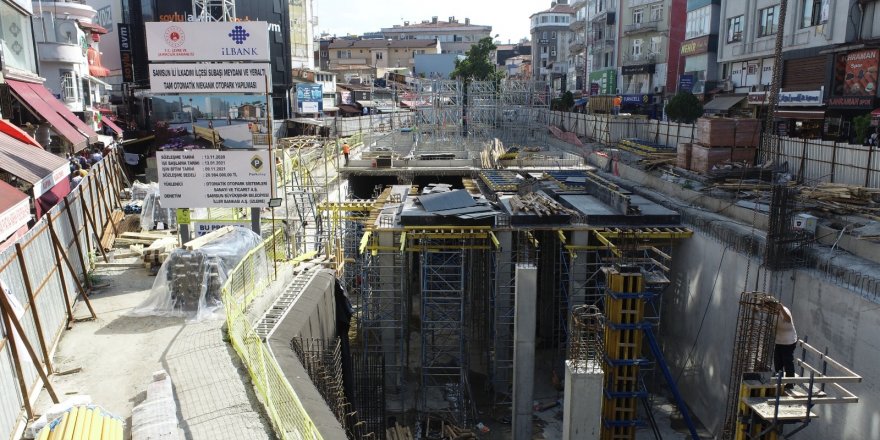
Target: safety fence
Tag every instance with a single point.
(609, 129)
(283, 406)
(814, 161)
(44, 272)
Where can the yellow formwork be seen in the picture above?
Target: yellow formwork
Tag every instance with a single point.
(623, 347)
(749, 426)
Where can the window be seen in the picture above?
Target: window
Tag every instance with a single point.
(637, 15)
(543, 49)
(68, 87)
(655, 44)
(735, 29)
(656, 12)
(812, 13)
(553, 35)
(768, 20)
(325, 54)
(697, 23)
(544, 35)
(378, 55)
(16, 40)
(544, 19)
(343, 54)
(637, 47)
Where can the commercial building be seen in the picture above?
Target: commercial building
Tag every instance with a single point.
(700, 47)
(577, 48)
(550, 33)
(455, 37)
(601, 46)
(649, 54)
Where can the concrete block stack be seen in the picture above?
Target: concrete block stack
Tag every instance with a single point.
(720, 140)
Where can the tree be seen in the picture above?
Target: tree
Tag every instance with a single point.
(684, 107)
(477, 64)
(861, 125)
(563, 103)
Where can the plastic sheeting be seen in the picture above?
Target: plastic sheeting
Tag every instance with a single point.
(188, 283)
(154, 216)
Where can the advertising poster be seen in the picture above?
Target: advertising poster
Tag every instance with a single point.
(861, 73)
(309, 97)
(208, 41)
(231, 121)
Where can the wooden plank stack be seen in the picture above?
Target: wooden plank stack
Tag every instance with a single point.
(108, 236)
(844, 199)
(539, 204)
(398, 433)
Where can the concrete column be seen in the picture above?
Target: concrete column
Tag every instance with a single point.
(524, 349)
(578, 270)
(582, 408)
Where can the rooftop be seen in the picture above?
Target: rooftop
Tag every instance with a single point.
(371, 44)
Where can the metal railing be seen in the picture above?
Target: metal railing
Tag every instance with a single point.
(645, 26)
(648, 57)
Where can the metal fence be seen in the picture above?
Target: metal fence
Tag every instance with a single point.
(46, 270)
(609, 129)
(285, 410)
(814, 161)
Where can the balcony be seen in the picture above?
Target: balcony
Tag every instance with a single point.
(599, 46)
(577, 25)
(60, 52)
(577, 4)
(645, 26)
(576, 45)
(645, 58)
(607, 17)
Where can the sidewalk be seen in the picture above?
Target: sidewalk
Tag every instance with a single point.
(118, 354)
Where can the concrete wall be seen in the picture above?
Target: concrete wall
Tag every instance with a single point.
(828, 314)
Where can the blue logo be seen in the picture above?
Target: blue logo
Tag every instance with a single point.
(239, 35)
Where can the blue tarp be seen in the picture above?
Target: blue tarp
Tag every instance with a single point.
(580, 102)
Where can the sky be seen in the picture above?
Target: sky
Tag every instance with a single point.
(509, 19)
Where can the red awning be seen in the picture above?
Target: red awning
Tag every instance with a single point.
(15, 209)
(10, 129)
(68, 115)
(109, 122)
(41, 108)
(39, 168)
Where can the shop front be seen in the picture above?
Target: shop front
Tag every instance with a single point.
(800, 114)
(34, 170)
(699, 59)
(637, 78)
(603, 82)
(854, 94)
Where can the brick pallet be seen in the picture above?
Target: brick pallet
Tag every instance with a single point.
(723, 132)
(703, 158)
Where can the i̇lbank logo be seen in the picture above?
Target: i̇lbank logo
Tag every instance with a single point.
(174, 36)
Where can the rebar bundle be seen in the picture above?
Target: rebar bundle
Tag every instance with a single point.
(586, 336)
(752, 347)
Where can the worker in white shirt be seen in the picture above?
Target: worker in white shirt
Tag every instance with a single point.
(786, 341)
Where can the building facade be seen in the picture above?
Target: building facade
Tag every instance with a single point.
(550, 34)
(577, 49)
(370, 59)
(700, 47)
(650, 41)
(601, 46)
(455, 37)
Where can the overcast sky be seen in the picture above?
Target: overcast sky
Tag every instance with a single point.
(510, 19)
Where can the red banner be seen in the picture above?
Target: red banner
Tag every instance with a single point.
(861, 73)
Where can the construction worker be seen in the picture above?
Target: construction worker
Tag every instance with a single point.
(786, 341)
(615, 104)
(345, 150)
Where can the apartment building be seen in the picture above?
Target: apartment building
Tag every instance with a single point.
(651, 32)
(455, 37)
(370, 59)
(550, 33)
(577, 48)
(601, 23)
(700, 47)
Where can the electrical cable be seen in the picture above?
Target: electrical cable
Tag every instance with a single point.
(703, 319)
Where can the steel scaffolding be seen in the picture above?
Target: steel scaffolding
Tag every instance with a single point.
(444, 379)
(524, 114)
(482, 109)
(439, 104)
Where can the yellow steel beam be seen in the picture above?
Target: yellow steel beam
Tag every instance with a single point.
(364, 241)
(607, 242)
(561, 235)
(534, 240)
(402, 241)
(495, 240)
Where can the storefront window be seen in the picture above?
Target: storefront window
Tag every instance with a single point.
(15, 36)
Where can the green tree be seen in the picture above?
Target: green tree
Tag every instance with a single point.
(563, 103)
(684, 107)
(477, 64)
(861, 124)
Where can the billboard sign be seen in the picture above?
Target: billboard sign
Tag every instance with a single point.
(309, 98)
(807, 98)
(214, 179)
(861, 73)
(208, 78)
(686, 83)
(208, 41)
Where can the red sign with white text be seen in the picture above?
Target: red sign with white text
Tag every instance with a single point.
(861, 73)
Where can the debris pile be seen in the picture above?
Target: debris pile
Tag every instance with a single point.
(538, 203)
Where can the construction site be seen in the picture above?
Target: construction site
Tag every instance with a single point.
(470, 270)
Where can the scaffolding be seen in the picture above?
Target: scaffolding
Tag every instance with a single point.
(525, 110)
(482, 109)
(439, 110)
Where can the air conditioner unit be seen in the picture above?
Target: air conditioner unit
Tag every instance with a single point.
(552, 53)
(727, 85)
(660, 89)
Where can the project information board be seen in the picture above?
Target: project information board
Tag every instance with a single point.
(214, 179)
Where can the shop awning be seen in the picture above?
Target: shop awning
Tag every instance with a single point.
(109, 122)
(348, 108)
(15, 209)
(43, 109)
(15, 132)
(92, 27)
(68, 115)
(39, 168)
(722, 103)
(800, 114)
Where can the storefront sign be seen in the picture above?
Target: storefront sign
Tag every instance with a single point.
(51, 180)
(635, 99)
(594, 89)
(207, 41)
(638, 69)
(758, 98)
(214, 179)
(208, 78)
(125, 59)
(861, 73)
(686, 83)
(853, 102)
(309, 98)
(15, 217)
(696, 46)
(124, 37)
(810, 98)
(606, 80)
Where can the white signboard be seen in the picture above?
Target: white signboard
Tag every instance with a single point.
(208, 78)
(310, 107)
(208, 41)
(200, 228)
(214, 179)
(808, 98)
(51, 180)
(15, 217)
